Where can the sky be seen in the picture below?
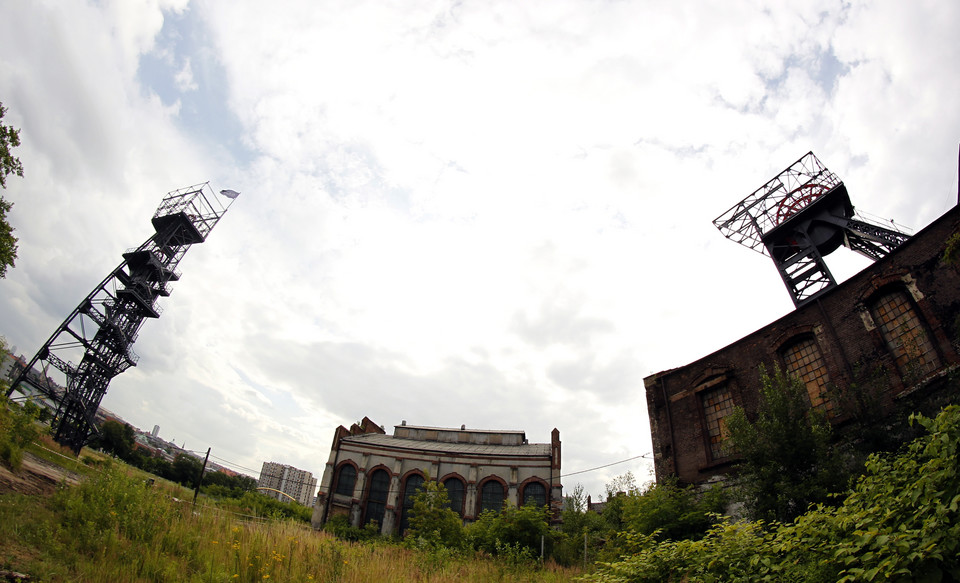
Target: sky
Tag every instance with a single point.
(496, 214)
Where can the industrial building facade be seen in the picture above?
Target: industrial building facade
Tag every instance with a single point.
(887, 339)
(285, 482)
(371, 476)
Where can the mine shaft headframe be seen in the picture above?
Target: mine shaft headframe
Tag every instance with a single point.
(94, 343)
(801, 215)
(189, 214)
(802, 183)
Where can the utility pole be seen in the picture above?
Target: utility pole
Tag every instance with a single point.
(584, 548)
(196, 490)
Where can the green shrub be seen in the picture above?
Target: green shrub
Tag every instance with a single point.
(579, 528)
(110, 506)
(900, 523)
(527, 526)
(432, 522)
(340, 527)
(788, 462)
(18, 428)
(672, 512)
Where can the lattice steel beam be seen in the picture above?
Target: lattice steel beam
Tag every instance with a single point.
(101, 330)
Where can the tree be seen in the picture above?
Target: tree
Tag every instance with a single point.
(116, 438)
(512, 529)
(432, 521)
(221, 484)
(617, 491)
(673, 512)
(18, 426)
(9, 164)
(18, 429)
(788, 462)
(185, 469)
(579, 525)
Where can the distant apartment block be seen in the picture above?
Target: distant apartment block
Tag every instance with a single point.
(284, 482)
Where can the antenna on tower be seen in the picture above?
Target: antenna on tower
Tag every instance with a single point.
(801, 215)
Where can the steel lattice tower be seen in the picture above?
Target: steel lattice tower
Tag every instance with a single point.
(100, 331)
(801, 215)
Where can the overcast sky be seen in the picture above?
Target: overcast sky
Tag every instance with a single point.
(487, 213)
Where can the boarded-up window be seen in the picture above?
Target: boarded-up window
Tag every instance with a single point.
(717, 406)
(905, 335)
(804, 361)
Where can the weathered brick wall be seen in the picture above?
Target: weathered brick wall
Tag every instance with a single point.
(855, 356)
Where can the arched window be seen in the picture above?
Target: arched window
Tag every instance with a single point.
(377, 496)
(803, 360)
(491, 496)
(346, 480)
(535, 493)
(455, 491)
(413, 485)
(905, 335)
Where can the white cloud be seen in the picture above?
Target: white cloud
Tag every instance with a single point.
(495, 214)
(184, 78)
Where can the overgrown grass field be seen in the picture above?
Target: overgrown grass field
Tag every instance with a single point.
(115, 527)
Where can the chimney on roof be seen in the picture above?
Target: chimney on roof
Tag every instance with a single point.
(463, 427)
(403, 423)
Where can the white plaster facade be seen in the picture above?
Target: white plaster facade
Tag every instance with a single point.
(370, 474)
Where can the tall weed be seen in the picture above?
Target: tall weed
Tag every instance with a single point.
(114, 527)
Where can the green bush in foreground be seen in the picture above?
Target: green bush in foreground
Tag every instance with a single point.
(788, 461)
(515, 532)
(18, 428)
(432, 522)
(900, 523)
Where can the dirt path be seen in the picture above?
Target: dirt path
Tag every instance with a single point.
(36, 476)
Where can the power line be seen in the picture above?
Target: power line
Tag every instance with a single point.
(314, 483)
(234, 464)
(607, 465)
(642, 456)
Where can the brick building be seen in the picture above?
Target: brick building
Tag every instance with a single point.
(371, 476)
(887, 336)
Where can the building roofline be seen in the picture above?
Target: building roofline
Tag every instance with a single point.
(462, 428)
(389, 442)
(952, 212)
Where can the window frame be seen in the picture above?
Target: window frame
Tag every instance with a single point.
(339, 478)
(463, 494)
(482, 498)
(895, 347)
(535, 483)
(406, 501)
(380, 507)
(822, 380)
(708, 387)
